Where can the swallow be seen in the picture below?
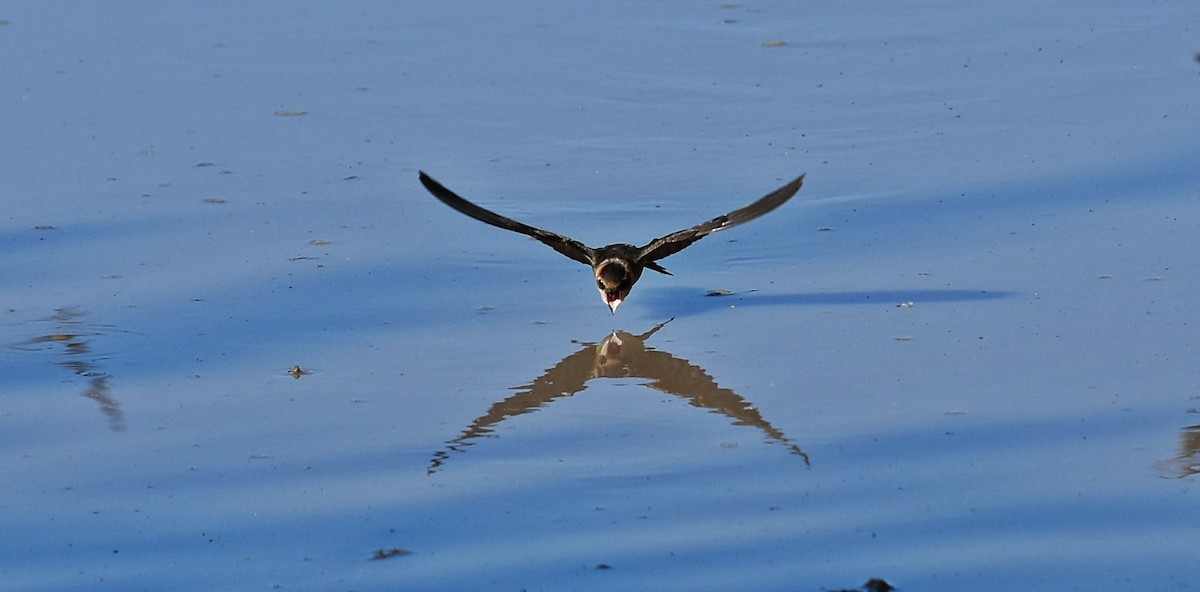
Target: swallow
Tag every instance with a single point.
(619, 266)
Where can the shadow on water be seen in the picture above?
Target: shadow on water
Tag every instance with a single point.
(71, 338)
(682, 301)
(619, 355)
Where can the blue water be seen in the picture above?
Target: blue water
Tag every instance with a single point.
(963, 357)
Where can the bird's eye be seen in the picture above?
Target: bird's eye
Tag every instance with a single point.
(600, 284)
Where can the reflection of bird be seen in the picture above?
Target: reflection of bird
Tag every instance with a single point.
(619, 355)
(618, 266)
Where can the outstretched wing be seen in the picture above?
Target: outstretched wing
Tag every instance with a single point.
(563, 244)
(677, 241)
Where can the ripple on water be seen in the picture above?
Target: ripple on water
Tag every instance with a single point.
(69, 339)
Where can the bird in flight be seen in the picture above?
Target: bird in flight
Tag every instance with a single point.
(617, 267)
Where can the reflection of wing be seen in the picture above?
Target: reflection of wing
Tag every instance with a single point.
(678, 377)
(563, 380)
(563, 244)
(677, 241)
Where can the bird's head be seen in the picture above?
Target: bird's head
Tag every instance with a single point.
(614, 279)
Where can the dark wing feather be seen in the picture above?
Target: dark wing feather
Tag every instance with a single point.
(563, 244)
(677, 241)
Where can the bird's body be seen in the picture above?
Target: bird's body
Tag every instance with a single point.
(617, 267)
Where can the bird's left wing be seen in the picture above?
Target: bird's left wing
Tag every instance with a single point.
(563, 244)
(677, 241)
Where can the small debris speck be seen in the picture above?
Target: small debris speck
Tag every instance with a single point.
(213, 200)
(290, 113)
(774, 43)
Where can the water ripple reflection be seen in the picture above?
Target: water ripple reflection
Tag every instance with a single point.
(71, 338)
(1187, 462)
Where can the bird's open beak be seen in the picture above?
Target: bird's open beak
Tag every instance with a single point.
(613, 304)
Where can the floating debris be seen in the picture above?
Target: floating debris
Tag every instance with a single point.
(290, 113)
(44, 227)
(318, 241)
(774, 43)
(719, 293)
(903, 338)
(213, 200)
(908, 304)
(389, 553)
(824, 229)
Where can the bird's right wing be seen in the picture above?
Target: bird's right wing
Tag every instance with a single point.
(563, 244)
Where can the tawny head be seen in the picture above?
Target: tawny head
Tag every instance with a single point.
(614, 279)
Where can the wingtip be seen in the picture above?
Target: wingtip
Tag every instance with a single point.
(429, 182)
(794, 186)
